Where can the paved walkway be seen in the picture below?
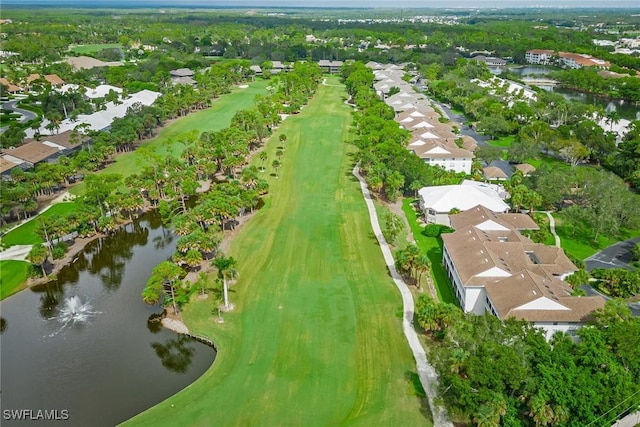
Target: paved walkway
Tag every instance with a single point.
(552, 227)
(426, 372)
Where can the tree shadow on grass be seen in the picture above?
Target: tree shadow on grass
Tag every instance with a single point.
(415, 389)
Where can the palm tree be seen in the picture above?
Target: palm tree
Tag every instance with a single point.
(263, 157)
(276, 164)
(226, 270)
(38, 255)
(422, 265)
(612, 117)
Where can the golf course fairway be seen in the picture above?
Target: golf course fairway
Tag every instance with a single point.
(315, 338)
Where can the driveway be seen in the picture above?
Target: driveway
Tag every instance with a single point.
(615, 256)
(591, 292)
(481, 139)
(26, 114)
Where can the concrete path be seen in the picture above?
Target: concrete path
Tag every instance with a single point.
(552, 227)
(17, 253)
(426, 372)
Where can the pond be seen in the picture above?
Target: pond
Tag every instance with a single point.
(84, 344)
(626, 110)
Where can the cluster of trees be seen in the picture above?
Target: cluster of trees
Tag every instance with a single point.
(46, 37)
(617, 282)
(221, 157)
(412, 263)
(549, 123)
(504, 373)
(600, 202)
(389, 168)
(589, 81)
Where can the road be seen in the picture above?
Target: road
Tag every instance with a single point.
(481, 139)
(615, 256)
(26, 114)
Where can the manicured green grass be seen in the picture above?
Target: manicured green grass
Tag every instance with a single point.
(433, 248)
(503, 141)
(552, 162)
(26, 235)
(210, 120)
(91, 48)
(579, 242)
(13, 275)
(314, 339)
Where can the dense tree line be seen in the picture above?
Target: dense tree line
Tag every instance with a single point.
(549, 123)
(389, 168)
(221, 157)
(504, 373)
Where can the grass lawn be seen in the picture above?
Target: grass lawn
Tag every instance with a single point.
(13, 275)
(579, 242)
(25, 234)
(91, 48)
(503, 141)
(433, 247)
(314, 340)
(210, 120)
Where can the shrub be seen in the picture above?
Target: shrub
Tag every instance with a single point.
(435, 230)
(59, 251)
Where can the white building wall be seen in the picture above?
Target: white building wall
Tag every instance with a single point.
(475, 299)
(551, 328)
(455, 165)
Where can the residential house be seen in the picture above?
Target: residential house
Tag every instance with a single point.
(491, 61)
(182, 76)
(564, 59)
(332, 67)
(7, 164)
(11, 88)
(495, 269)
(33, 153)
(494, 173)
(525, 168)
(436, 202)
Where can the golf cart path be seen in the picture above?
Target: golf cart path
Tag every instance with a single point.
(426, 372)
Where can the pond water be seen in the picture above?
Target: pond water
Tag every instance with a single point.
(626, 110)
(84, 344)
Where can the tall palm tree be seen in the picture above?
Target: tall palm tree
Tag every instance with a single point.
(38, 255)
(226, 270)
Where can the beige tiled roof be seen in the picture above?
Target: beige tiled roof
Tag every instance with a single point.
(63, 139)
(519, 221)
(493, 172)
(525, 168)
(54, 79)
(487, 250)
(480, 214)
(6, 165)
(422, 151)
(32, 152)
(581, 309)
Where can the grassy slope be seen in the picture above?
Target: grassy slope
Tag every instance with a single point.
(314, 339)
(25, 234)
(210, 120)
(433, 248)
(12, 275)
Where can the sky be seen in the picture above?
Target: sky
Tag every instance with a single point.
(395, 4)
